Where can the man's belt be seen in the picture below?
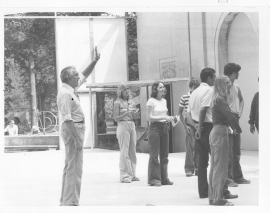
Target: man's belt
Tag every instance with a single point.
(79, 122)
(221, 123)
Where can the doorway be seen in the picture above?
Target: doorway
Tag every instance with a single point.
(169, 106)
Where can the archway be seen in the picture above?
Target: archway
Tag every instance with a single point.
(238, 42)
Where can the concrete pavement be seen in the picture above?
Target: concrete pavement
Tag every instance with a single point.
(34, 179)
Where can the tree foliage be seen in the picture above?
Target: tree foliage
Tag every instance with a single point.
(29, 43)
(132, 46)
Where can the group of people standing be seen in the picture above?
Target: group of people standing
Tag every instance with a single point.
(210, 114)
(213, 114)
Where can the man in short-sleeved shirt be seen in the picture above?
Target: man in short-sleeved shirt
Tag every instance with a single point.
(191, 159)
(12, 129)
(72, 131)
(199, 115)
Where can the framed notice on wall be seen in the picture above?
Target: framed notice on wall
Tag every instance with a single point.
(168, 67)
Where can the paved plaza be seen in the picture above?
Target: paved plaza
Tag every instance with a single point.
(34, 179)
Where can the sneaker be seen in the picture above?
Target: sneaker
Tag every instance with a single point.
(155, 184)
(188, 174)
(232, 184)
(243, 181)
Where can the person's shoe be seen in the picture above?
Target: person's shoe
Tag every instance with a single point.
(232, 184)
(222, 203)
(167, 183)
(243, 181)
(135, 179)
(155, 184)
(127, 180)
(210, 202)
(203, 196)
(230, 196)
(188, 174)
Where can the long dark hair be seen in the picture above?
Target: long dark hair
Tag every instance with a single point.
(154, 89)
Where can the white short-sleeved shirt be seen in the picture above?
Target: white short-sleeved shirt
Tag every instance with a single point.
(12, 130)
(159, 107)
(69, 104)
(201, 97)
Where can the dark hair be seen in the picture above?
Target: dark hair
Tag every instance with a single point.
(154, 89)
(205, 73)
(230, 68)
(194, 82)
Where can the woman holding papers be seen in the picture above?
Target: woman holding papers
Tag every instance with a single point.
(156, 112)
(124, 113)
(219, 140)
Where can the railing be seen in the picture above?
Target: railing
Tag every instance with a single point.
(48, 122)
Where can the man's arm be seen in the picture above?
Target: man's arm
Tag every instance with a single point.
(241, 102)
(201, 121)
(16, 130)
(92, 65)
(180, 112)
(73, 132)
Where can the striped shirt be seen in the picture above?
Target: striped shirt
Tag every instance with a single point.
(184, 101)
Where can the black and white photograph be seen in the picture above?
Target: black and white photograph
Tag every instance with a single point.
(135, 106)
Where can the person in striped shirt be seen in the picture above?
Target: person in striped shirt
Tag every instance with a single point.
(191, 154)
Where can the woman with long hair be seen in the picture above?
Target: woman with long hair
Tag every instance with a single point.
(156, 112)
(124, 113)
(223, 119)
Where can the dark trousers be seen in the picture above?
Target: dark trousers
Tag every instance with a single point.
(203, 149)
(235, 170)
(159, 151)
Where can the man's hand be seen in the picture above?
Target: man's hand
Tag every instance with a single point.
(252, 128)
(97, 55)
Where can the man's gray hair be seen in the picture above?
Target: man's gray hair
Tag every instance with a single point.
(66, 73)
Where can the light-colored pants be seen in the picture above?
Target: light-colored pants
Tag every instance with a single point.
(219, 144)
(126, 135)
(72, 175)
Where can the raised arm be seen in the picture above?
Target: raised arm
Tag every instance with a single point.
(92, 65)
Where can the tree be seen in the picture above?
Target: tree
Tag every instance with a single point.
(132, 46)
(30, 43)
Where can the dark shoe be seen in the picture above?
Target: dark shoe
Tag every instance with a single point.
(189, 174)
(210, 202)
(230, 196)
(204, 196)
(155, 184)
(232, 184)
(243, 181)
(135, 179)
(168, 183)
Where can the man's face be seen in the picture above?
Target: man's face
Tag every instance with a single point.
(234, 76)
(74, 79)
(211, 81)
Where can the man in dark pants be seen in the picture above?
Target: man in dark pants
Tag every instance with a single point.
(199, 114)
(236, 103)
